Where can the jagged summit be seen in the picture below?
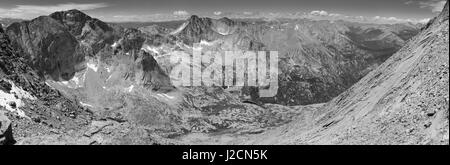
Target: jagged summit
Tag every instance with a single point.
(193, 18)
(74, 13)
(47, 45)
(76, 20)
(198, 28)
(43, 104)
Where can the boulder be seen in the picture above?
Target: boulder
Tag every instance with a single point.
(6, 135)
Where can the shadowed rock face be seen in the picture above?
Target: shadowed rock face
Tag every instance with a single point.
(48, 47)
(50, 107)
(5, 22)
(152, 74)
(76, 20)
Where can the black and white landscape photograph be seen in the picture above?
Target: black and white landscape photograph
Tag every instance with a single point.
(224, 72)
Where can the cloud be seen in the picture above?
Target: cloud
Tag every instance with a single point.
(217, 13)
(180, 13)
(31, 11)
(435, 6)
(319, 13)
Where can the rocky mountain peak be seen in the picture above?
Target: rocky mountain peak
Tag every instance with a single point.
(47, 45)
(193, 18)
(71, 15)
(196, 21)
(76, 20)
(195, 29)
(443, 16)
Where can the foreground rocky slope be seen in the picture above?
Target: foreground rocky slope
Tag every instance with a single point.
(404, 101)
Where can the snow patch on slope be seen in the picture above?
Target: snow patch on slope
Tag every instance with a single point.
(15, 96)
(203, 42)
(150, 49)
(85, 105)
(92, 66)
(130, 89)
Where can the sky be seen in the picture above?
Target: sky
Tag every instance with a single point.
(162, 10)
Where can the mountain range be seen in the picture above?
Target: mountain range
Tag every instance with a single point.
(74, 79)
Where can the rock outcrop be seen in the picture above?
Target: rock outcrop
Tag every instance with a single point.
(6, 134)
(321, 59)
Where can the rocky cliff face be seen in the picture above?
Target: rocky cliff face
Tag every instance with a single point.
(48, 47)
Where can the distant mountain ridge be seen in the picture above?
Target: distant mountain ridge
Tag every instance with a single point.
(36, 100)
(341, 52)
